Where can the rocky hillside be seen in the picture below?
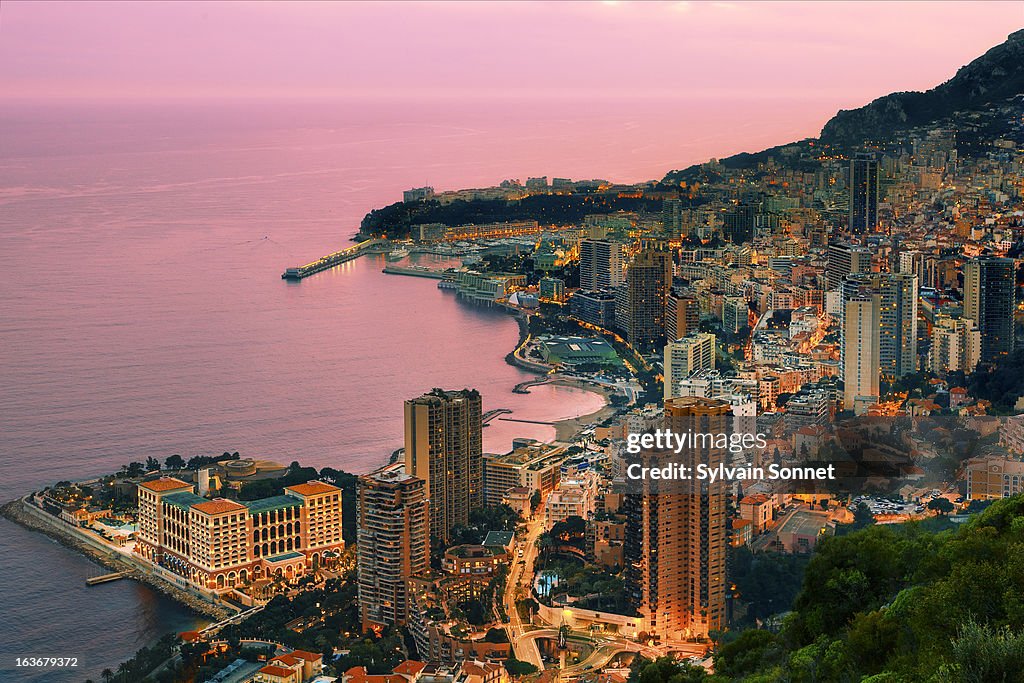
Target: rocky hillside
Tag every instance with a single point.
(979, 101)
(987, 82)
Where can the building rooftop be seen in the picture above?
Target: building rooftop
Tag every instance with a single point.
(805, 523)
(184, 500)
(357, 674)
(312, 488)
(578, 349)
(308, 656)
(755, 499)
(410, 667)
(216, 507)
(499, 538)
(391, 473)
(286, 659)
(278, 671)
(165, 484)
(533, 456)
(272, 503)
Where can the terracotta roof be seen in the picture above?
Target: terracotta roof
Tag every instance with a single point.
(308, 656)
(278, 671)
(755, 499)
(165, 484)
(383, 678)
(811, 430)
(357, 674)
(287, 660)
(478, 668)
(215, 507)
(410, 667)
(312, 488)
(740, 523)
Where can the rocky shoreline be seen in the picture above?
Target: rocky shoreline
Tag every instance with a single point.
(17, 511)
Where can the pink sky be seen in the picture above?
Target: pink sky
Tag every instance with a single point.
(845, 52)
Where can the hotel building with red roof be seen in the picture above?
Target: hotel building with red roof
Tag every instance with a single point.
(219, 544)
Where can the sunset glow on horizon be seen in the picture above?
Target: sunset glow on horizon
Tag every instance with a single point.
(845, 52)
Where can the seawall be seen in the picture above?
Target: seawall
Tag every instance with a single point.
(26, 515)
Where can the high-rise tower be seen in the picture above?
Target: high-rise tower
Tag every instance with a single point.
(863, 193)
(393, 543)
(648, 279)
(444, 448)
(989, 285)
(844, 259)
(682, 315)
(685, 356)
(897, 319)
(861, 367)
(675, 540)
(601, 264)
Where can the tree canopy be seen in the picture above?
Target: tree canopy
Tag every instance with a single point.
(897, 603)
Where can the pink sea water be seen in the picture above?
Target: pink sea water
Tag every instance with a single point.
(142, 311)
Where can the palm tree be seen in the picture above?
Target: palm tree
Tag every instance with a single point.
(545, 544)
(107, 675)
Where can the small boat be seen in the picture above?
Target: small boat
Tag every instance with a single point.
(398, 254)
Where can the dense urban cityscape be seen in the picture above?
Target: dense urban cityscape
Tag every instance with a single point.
(854, 301)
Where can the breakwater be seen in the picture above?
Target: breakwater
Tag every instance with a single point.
(324, 262)
(24, 514)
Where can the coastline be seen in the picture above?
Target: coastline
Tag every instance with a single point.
(19, 512)
(566, 429)
(523, 321)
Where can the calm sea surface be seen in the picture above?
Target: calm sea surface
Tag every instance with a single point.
(142, 311)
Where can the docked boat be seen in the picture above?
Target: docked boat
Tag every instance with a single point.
(398, 254)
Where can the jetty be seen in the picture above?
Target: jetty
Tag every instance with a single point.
(524, 387)
(491, 414)
(415, 271)
(531, 422)
(105, 578)
(338, 257)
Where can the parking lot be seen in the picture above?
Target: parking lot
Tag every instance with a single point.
(894, 505)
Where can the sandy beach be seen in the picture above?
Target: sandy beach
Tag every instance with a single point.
(566, 429)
